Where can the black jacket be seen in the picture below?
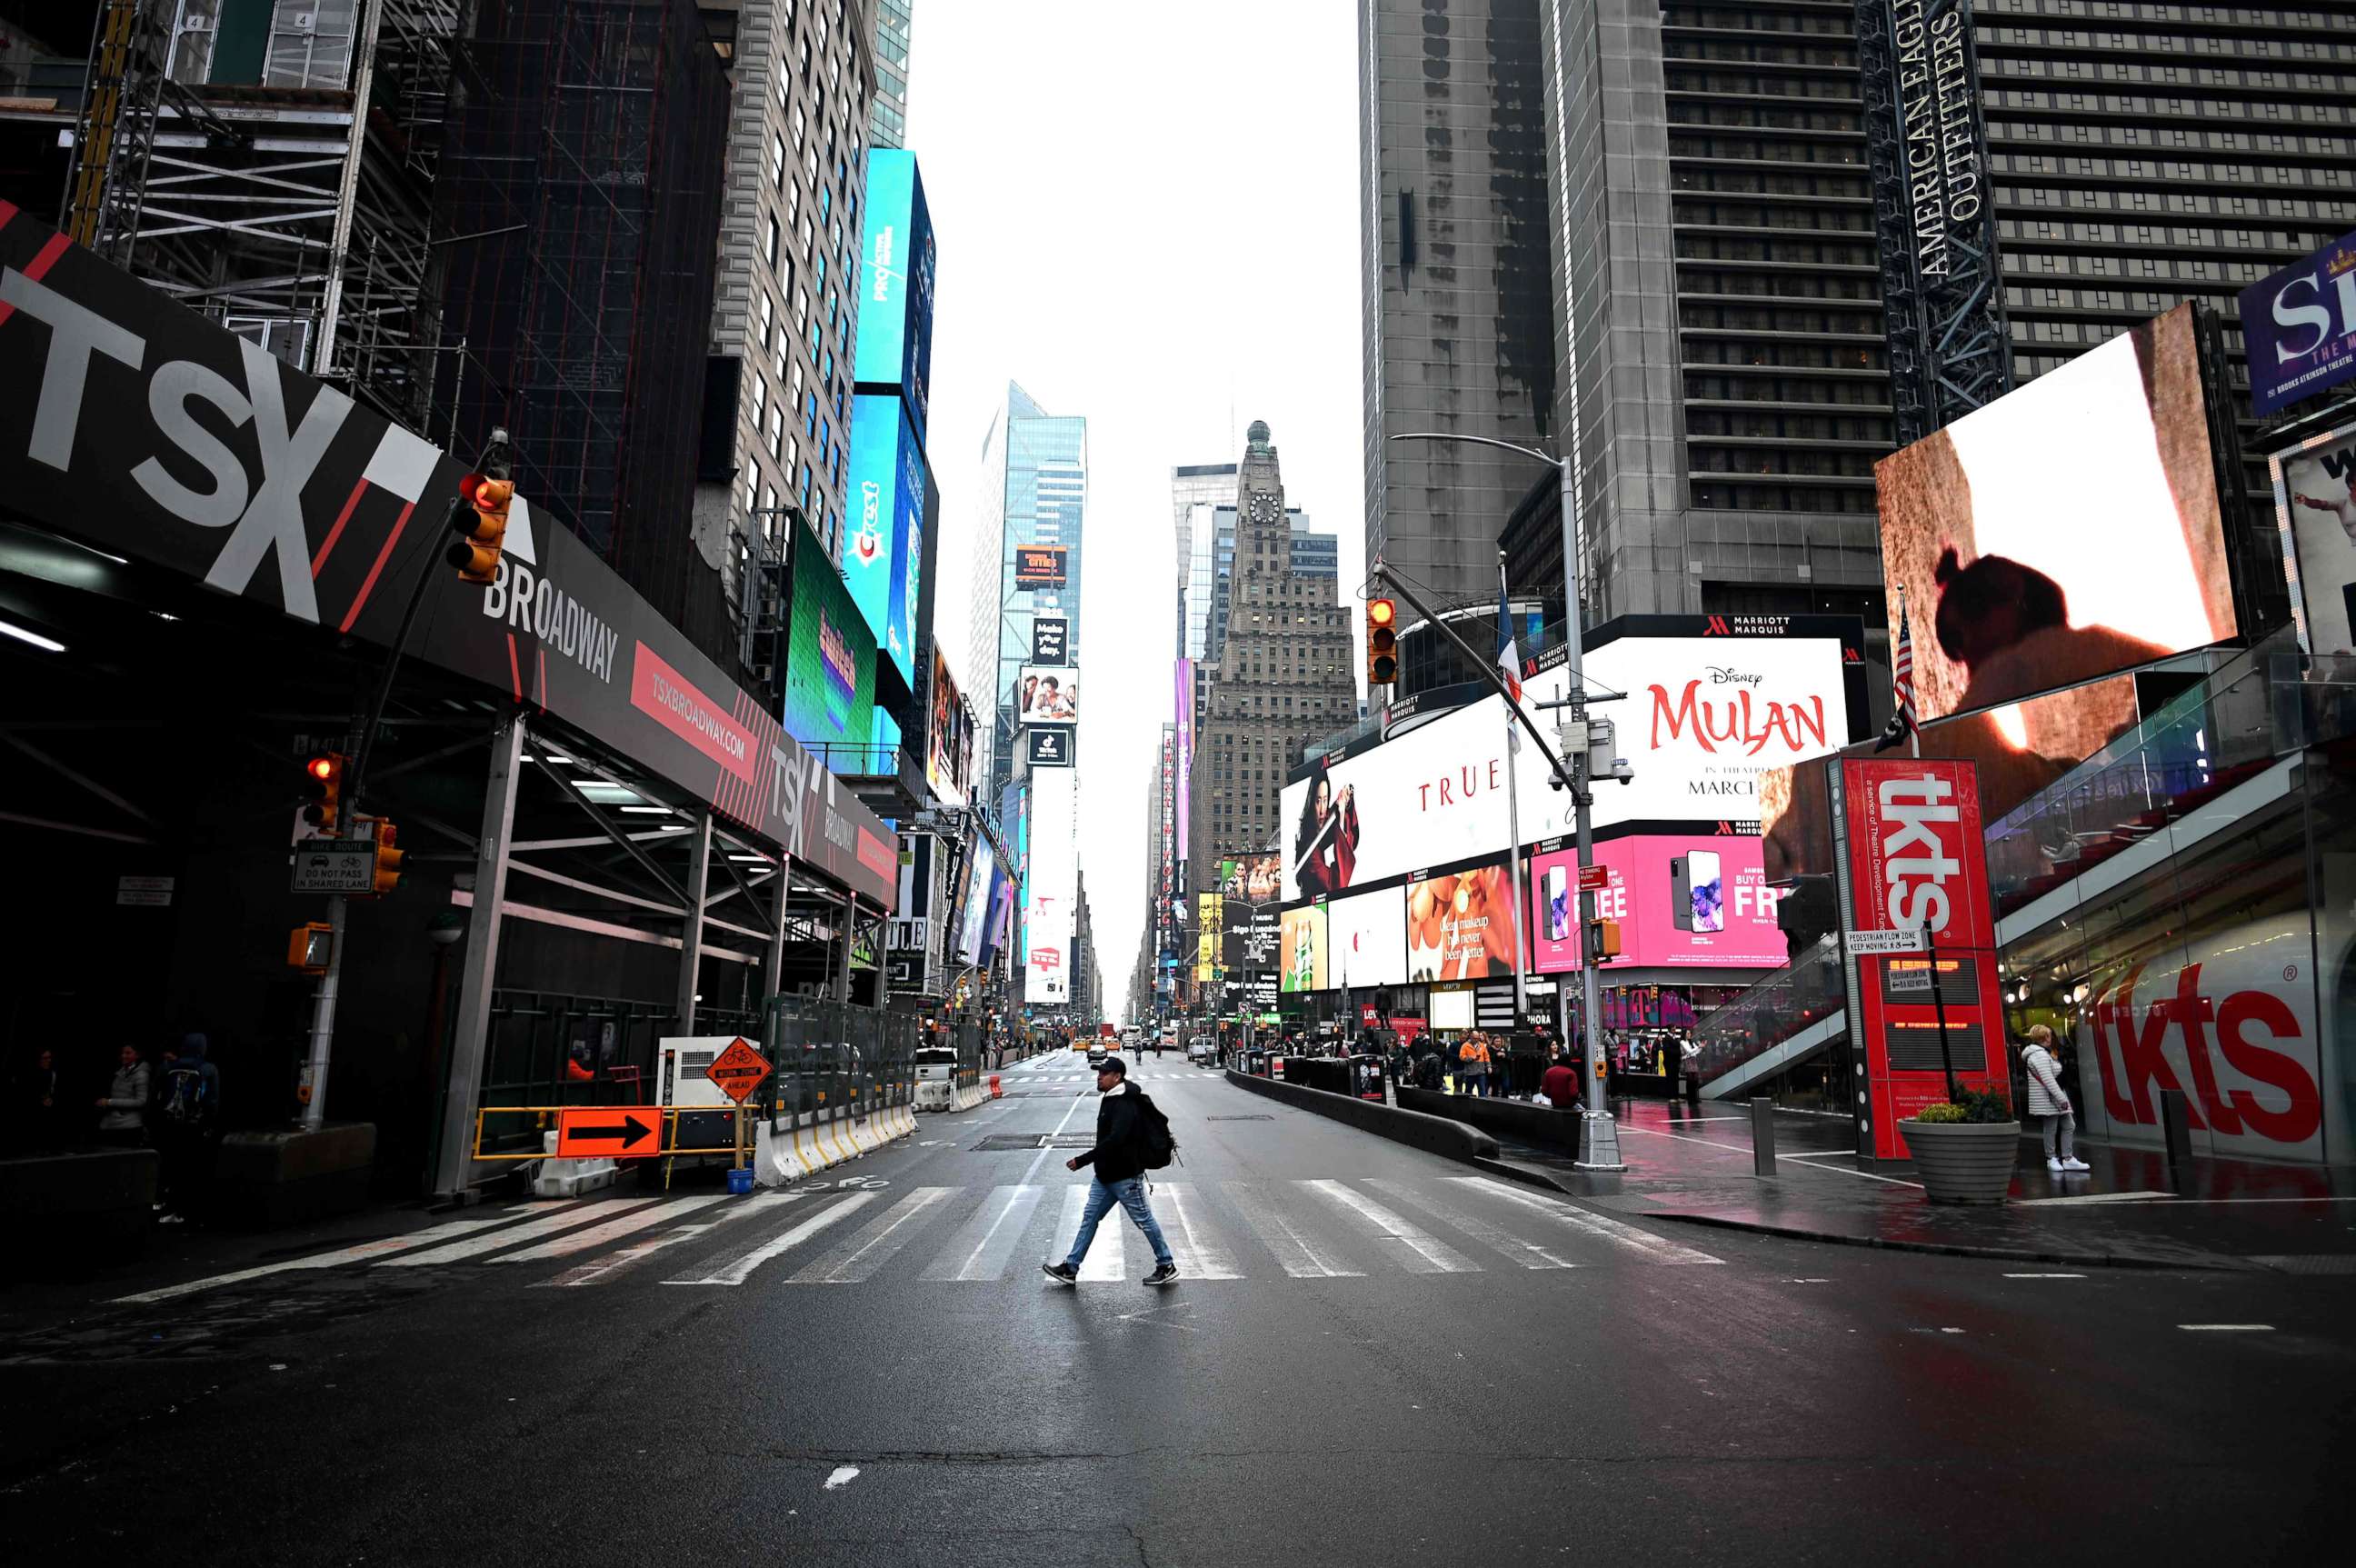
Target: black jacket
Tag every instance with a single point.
(1121, 1120)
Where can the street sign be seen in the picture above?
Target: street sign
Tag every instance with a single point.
(335, 866)
(1883, 941)
(616, 1131)
(1595, 879)
(738, 1070)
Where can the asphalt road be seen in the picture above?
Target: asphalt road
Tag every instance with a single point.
(1378, 1357)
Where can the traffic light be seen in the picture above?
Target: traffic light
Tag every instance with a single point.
(387, 858)
(1382, 642)
(481, 522)
(324, 777)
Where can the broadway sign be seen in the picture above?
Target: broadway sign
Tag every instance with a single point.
(131, 423)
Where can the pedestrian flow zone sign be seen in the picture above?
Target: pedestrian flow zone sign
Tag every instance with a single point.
(617, 1132)
(1883, 941)
(738, 1070)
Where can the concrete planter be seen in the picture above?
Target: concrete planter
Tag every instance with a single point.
(1962, 1162)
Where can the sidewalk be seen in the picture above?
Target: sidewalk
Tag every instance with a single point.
(1695, 1165)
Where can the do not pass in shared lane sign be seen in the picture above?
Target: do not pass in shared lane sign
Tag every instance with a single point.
(738, 1070)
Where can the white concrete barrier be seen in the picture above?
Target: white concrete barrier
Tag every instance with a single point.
(570, 1178)
(782, 1158)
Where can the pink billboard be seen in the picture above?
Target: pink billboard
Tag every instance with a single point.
(1683, 901)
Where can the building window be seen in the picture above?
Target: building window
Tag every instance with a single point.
(770, 248)
(760, 400)
(767, 317)
(777, 161)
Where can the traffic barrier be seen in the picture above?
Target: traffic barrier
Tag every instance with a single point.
(1434, 1134)
(1518, 1119)
(782, 1158)
(554, 1177)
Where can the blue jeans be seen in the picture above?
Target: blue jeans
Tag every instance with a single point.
(1131, 1196)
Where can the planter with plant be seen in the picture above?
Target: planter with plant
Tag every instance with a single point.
(1964, 1147)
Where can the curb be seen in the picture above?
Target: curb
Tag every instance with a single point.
(2221, 1264)
(1413, 1128)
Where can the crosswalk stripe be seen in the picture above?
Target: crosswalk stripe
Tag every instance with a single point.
(1199, 1257)
(1105, 1260)
(1529, 1255)
(1657, 1249)
(358, 1253)
(985, 1244)
(869, 1250)
(735, 1271)
(611, 1230)
(1430, 1255)
(494, 1241)
(1296, 1254)
(599, 1270)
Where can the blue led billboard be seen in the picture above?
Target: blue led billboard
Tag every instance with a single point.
(896, 283)
(883, 549)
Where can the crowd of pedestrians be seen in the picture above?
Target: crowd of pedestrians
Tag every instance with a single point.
(172, 1105)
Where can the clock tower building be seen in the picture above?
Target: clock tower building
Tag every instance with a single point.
(1277, 679)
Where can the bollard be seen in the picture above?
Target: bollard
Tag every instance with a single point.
(1762, 1137)
(2176, 1140)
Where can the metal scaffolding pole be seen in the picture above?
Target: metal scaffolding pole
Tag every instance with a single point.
(470, 1030)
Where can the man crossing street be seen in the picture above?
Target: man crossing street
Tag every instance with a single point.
(1132, 1136)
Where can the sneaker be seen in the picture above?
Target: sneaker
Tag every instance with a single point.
(2074, 1163)
(172, 1220)
(1062, 1273)
(2051, 1164)
(1163, 1274)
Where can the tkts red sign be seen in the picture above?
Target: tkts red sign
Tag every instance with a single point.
(1917, 862)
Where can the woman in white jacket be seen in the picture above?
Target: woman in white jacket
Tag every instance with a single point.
(2049, 1103)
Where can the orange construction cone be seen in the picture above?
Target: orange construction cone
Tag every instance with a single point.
(996, 1092)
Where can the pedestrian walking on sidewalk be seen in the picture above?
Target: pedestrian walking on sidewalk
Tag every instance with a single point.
(1132, 1137)
(1472, 1065)
(122, 1109)
(2049, 1104)
(1561, 1084)
(187, 1120)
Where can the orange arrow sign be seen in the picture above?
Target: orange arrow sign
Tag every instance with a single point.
(738, 1070)
(624, 1131)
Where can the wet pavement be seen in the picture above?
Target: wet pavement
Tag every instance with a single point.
(1695, 1165)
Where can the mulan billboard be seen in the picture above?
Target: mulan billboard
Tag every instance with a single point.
(895, 285)
(884, 548)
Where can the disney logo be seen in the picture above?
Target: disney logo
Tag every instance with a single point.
(1727, 675)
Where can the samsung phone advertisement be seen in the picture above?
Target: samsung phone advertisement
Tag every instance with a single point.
(1683, 902)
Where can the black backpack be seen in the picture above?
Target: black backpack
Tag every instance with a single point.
(183, 1102)
(1155, 1148)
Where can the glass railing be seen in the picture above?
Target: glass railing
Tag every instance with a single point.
(1780, 1006)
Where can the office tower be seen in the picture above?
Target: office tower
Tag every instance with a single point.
(1279, 674)
(1457, 324)
(1026, 566)
(1210, 576)
(1165, 857)
(887, 121)
(1193, 487)
(587, 166)
(1315, 555)
(785, 313)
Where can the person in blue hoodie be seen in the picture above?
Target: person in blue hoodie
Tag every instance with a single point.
(185, 1120)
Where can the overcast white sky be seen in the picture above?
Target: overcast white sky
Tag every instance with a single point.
(1146, 215)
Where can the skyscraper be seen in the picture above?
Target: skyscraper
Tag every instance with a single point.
(1192, 486)
(1458, 325)
(1280, 675)
(887, 121)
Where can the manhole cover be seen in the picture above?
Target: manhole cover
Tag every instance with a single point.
(1238, 1118)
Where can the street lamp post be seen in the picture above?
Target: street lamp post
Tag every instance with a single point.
(1599, 1135)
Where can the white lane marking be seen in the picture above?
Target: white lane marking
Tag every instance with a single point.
(360, 1253)
(494, 1240)
(2098, 1198)
(631, 1257)
(1809, 1279)
(982, 1250)
(1529, 1255)
(1199, 1255)
(842, 1477)
(1434, 1256)
(612, 1229)
(1808, 1160)
(1301, 1257)
(2045, 1276)
(862, 1255)
(736, 1270)
(2227, 1327)
(1656, 1248)
(1104, 1262)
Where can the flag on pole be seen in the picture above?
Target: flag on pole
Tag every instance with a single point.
(1509, 659)
(1902, 682)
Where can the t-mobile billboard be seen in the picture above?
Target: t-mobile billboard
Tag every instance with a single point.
(1683, 901)
(1705, 716)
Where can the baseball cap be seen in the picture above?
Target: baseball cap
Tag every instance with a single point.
(1114, 1065)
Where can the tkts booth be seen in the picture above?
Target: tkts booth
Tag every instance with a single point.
(603, 840)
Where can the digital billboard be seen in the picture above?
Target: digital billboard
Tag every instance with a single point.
(1051, 640)
(883, 550)
(1459, 924)
(1706, 715)
(1365, 940)
(1257, 878)
(1210, 936)
(974, 910)
(1051, 885)
(1301, 949)
(1049, 745)
(948, 745)
(2315, 507)
(1047, 694)
(894, 350)
(1683, 901)
(830, 674)
(1039, 565)
(2068, 530)
(1180, 781)
(2298, 328)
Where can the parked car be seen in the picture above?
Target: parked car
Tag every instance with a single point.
(1202, 1051)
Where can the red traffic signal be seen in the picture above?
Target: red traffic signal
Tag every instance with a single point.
(324, 775)
(481, 524)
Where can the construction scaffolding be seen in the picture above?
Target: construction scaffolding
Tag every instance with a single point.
(271, 164)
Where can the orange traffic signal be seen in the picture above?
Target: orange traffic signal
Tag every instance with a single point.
(481, 523)
(1382, 642)
(324, 777)
(387, 858)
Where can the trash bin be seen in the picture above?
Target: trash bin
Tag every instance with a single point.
(1367, 1078)
(1255, 1063)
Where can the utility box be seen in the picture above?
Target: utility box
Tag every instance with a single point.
(680, 1061)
